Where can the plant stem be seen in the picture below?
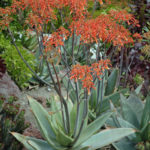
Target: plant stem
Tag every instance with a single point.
(61, 98)
(121, 65)
(73, 36)
(34, 73)
(77, 116)
(85, 113)
(59, 86)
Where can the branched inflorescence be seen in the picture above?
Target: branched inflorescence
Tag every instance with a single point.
(87, 74)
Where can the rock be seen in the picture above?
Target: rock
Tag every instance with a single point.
(8, 87)
(32, 132)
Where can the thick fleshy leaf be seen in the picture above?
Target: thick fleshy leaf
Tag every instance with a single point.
(73, 116)
(43, 145)
(107, 137)
(93, 128)
(128, 113)
(62, 138)
(125, 124)
(146, 113)
(92, 100)
(45, 126)
(145, 132)
(114, 122)
(137, 105)
(55, 113)
(39, 145)
(113, 97)
(124, 144)
(111, 83)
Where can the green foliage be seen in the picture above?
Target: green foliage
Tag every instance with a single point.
(79, 51)
(56, 138)
(138, 79)
(15, 65)
(133, 114)
(4, 3)
(11, 119)
(106, 91)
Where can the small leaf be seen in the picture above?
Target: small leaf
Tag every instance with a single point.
(138, 89)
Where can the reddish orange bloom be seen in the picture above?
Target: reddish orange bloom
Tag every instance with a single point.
(5, 15)
(100, 66)
(86, 74)
(137, 36)
(83, 73)
(55, 39)
(124, 16)
(104, 28)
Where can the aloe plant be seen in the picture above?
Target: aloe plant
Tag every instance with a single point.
(133, 113)
(56, 137)
(106, 90)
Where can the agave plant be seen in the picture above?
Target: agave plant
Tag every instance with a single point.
(133, 113)
(84, 136)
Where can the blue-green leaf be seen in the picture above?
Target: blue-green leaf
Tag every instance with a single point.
(93, 128)
(107, 137)
(43, 145)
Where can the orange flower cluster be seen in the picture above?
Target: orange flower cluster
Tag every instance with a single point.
(137, 36)
(43, 11)
(56, 39)
(87, 73)
(123, 16)
(105, 28)
(5, 15)
(77, 7)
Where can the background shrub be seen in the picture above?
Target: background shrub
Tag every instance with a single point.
(15, 65)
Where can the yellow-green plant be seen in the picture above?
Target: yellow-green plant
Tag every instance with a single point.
(19, 72)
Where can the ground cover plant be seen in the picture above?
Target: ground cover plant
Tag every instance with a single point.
(75, 48)
(11, 119)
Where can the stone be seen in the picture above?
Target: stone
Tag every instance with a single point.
(8, 87)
